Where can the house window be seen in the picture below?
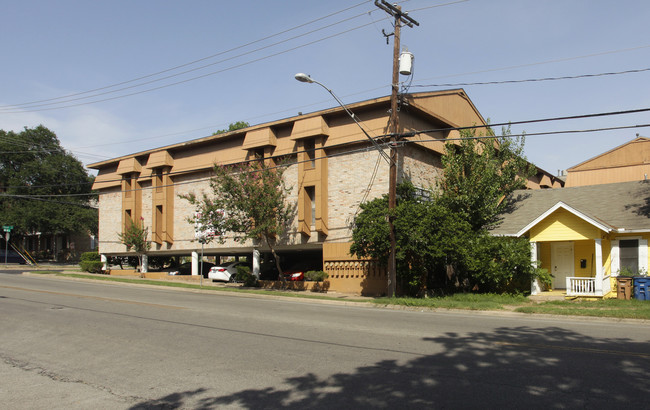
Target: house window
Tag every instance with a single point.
(629, 255)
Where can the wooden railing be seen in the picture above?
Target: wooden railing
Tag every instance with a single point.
(587, 287)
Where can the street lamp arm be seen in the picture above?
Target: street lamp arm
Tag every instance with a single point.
(304, 78)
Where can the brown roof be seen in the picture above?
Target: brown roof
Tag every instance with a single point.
(620, 206)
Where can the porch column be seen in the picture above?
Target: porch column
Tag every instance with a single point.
(535, 287)
(195, 263)
(256, 263)
(598, 255)
(145, 264)
(104, 260)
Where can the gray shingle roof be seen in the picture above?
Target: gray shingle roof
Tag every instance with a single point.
(624, 205)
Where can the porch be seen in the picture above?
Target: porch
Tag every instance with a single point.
(588, 286)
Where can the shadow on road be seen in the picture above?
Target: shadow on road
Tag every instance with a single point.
(509, 368)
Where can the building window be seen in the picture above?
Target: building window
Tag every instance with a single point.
(629, 255)
(311, 194)
(158, 179)
(309, 145)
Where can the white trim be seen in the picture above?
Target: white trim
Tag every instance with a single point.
(574, 211)
(535, 286)
(598, 253)
(615, 256)
(643, 255)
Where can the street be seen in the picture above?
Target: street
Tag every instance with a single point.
(69, 344)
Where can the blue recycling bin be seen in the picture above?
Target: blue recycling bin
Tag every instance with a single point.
(642, 288)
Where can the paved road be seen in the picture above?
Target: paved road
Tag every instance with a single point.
(75, 345)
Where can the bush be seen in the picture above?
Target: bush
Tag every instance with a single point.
(244, 275)
(91, 262)
(316, 275)
(90, 256)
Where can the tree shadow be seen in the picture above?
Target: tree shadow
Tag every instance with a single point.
(508, 368)
(641, 198)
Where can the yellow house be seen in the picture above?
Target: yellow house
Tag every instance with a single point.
(585, 236)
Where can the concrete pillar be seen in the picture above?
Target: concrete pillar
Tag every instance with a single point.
(145, 264)
(195, 263)
(104, 260)
(256, 263)
(535, 286)
(598, 256)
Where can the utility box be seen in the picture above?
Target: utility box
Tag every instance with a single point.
(624, 288)
(641, 288)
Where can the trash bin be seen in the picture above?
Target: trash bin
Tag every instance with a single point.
(641, 288)
(624, 288)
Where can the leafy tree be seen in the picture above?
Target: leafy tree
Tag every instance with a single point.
(426, 233)
(34, 163)
(479, 174)
(135, 237)
(444, 244)
(248, 201)
(233, 127)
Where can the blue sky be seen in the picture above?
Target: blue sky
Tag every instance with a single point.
(54, 49)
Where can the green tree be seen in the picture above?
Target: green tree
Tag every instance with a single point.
(249, 201)
(426, 233)
(135, 237)
(444, 243)
(43, 188)
(233, 127)
(478, 174)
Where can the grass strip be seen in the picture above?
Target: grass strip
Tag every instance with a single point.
(466, 301)
(612, 308)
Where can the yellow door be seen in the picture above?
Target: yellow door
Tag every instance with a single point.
(562, 263)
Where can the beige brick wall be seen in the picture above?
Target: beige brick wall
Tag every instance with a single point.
(110, 221)
(422, 167)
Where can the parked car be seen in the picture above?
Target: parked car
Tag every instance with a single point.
(226, 273)
(12, 257)
(294, 272)
(186, 269)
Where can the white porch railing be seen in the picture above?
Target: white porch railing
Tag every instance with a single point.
(587, 287)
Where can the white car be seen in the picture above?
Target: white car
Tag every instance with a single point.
(226, 273)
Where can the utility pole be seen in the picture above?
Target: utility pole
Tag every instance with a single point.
(400, 18)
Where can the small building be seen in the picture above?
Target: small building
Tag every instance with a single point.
(332, 168)
(627, 162)
(584, 236)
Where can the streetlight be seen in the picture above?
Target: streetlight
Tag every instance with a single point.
(304, 78)
(392, 183)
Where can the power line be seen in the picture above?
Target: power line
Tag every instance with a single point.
(413, 133)
(572, 77)
(192, 78)
(557, 60)
(505, 124)
(409, 134)
(293, 109)
(191, 62)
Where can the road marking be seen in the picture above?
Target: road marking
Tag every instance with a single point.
(576, 349)
(133, 302)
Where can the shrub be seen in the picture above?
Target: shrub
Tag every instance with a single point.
(244, 275)
(91, 262)
(316, 275)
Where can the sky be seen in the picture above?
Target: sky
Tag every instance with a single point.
(112, 78)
